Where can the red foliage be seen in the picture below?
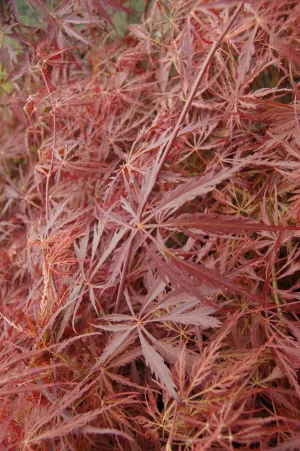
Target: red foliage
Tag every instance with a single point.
(149, 221)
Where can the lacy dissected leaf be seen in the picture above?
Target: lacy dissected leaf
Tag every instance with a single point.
(197, 317)
(209, 276)
(149, 225)
(115, 343)
(220, 224)
(172, 274)
(188, 191)
(158, 367)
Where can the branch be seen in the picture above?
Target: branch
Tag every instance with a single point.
(165, 150)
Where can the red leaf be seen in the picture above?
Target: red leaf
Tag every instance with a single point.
(158, 367)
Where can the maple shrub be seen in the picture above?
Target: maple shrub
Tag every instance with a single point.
(149, 221)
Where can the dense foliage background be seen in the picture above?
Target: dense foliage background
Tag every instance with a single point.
(149, 223)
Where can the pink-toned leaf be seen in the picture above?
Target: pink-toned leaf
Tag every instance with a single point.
(220, 224)
(98, 231)
(202, 185)
(158, 367)
(245, 56)
(112, 245)
(209, 276)
(94, 430)
(197, 317)
(114, 344)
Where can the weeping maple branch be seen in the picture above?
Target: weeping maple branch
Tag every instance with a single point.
(162, 156)
(165, 150)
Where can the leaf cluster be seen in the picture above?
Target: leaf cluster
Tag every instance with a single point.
(149, 224)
